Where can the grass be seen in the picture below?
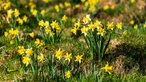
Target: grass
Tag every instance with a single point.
(125, 54)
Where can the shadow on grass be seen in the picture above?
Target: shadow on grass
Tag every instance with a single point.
(134, 54)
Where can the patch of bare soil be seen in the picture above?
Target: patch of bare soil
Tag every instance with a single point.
(107, 2)
(118, 65)
(141, 4)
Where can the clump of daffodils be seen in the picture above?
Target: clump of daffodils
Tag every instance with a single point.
(21, 50)
(50, 32)
(12, 35)
(49, 28)
(7, 4)
(39, 42)
(26, 54)
(86, 25)
(59, 7)
(16, 14)
(22, 20)
(68, 56)
(90, 5)
(96, 35)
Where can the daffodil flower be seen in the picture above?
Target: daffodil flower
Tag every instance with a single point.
(67, 74)
(59, 54)
(79, 58)
(108, 68)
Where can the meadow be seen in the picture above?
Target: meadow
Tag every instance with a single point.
(73, 41)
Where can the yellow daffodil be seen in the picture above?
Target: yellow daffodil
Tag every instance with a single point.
(119, 25)
(6, 34)
(41, 43)
(24, 18)
(33, 12)
(86, 19)
(101, 31)
(47, 30)
(73, 20)
(16, 32)
(57, 8)
(12, 42)
(59, 54)
(0, 6)
(125, 32)
(29, 51)
(61, 5)
(68, 57)
(108, 68)
(46, 24)
(91, 26)
(105, 7)
(86, 4)
(46, 1)
(97, 24)
(54, 24)
(7, 5)
(74, 30)
(67, 4)
(132, 22)
(43, 12)
(132, 1)
(93, 2)
(32, 6)
(31, 34)
(13, 32)
(58, 28)
(37, 41)
(92, 8)
(67, 74)
(9, 13)
(112, 7)
(16, 13)
(64, 18)
(77, 24)
(51, 34)
(26, 60)
(79, 58)
(83, 1)
(84, 30)
(20, 21)
(144, 25)
(77, 5)
(135, 26)
(110, 25)
(41, 23)
(40, 57)
(21, 50)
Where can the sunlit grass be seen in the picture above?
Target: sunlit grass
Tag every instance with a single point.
(77, 41)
